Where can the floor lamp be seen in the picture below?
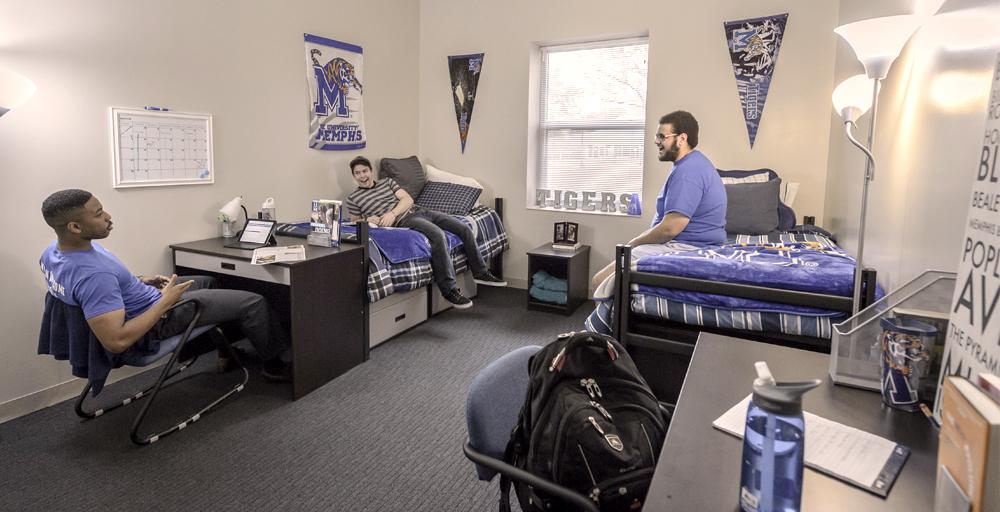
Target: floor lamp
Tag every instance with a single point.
(15, 89)
(876, 43)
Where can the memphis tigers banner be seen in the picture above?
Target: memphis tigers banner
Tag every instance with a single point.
(753, 49)
(336, 110)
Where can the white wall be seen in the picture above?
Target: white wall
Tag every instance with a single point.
(242, 61)
(928, 139)
(689, 69)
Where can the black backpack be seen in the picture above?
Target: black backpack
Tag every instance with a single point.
(589, 423)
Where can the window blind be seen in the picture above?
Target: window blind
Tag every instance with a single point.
(593, 109)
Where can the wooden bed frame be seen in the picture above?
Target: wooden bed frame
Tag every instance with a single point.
(662, 348)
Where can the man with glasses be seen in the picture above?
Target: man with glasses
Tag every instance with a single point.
(691, 207)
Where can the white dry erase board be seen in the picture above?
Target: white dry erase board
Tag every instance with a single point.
(157, 148)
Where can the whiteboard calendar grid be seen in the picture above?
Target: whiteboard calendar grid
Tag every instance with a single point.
(156, 148)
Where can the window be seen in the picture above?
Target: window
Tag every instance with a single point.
(592, 112)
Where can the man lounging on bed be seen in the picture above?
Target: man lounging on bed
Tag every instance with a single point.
(384, 203)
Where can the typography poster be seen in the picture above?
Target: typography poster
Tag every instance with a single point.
(972, 346)
(753, 49)
(336, 111)
(465, 70)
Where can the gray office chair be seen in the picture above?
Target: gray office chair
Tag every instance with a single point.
(62, 322)
(494, 402)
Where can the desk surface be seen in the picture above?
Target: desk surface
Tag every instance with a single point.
(214, 247)
(699, 467)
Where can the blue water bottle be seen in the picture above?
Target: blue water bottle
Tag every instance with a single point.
(773, 445)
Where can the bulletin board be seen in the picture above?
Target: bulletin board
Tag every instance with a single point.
(160, 147)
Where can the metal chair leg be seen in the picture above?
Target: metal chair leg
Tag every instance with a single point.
(152, 438)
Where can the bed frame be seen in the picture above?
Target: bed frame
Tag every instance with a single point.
(663, 348)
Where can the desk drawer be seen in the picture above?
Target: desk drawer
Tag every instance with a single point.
(234, 267)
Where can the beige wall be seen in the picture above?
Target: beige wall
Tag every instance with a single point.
(689, 68)
(241, 61)
(928, 139)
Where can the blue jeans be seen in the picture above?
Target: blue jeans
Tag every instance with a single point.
(431, 223)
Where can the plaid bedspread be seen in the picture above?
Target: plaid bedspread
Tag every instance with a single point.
(386, 278)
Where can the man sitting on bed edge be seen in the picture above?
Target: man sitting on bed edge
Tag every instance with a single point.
(385, 203)
(691, 207)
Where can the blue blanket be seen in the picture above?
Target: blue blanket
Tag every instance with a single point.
(799, 267)
(400, 245)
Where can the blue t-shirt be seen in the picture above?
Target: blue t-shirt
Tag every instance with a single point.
(95, 280)
(695, 191)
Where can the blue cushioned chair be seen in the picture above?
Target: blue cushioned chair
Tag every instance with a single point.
(494, 402)
(66, 335)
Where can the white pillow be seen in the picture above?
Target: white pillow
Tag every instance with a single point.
(435, 174)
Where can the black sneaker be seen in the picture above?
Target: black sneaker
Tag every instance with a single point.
(488, 279)
(458, 300)
(277, 371)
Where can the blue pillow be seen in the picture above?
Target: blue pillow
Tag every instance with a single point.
(448, 197)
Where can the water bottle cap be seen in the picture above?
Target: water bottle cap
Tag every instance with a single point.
(782, 397)
(268, 203)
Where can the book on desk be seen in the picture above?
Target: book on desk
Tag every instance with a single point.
(969, 449)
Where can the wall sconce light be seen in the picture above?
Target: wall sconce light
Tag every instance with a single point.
(15, 89)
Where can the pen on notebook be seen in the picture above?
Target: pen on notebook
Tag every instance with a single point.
(157, 109)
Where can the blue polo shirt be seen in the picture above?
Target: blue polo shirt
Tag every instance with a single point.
(95, 280)
(695, 191)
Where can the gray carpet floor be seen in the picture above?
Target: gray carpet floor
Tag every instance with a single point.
(386, 436)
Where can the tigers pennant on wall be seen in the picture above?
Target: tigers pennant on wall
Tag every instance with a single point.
(753, 48)
(336, 111)
(464, 71)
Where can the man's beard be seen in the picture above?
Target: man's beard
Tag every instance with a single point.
(670, 155)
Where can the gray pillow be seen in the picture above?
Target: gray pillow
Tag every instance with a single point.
(752, 208)
(407, 172)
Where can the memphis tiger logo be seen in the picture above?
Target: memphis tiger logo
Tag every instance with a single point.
(334, 81)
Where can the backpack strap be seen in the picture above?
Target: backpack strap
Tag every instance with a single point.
(504, 493)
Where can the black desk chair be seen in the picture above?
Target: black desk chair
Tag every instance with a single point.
(494, 402)
(66, 335)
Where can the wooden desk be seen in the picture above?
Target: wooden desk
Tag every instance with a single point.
(699, 467)
(321, 300)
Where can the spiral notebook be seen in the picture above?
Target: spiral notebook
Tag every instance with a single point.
(845, 453)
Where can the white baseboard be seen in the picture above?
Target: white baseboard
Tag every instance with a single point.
(61, 392)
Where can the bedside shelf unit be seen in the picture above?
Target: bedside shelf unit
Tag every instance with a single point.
(573, 266)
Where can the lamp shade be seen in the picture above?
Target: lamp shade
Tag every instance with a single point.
(15, 89)
(231, 210)
(877, 41)
(853, 97)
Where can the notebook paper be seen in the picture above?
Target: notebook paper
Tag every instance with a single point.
(846, 453)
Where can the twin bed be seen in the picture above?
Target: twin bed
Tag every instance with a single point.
(788, 287)
(400, 284)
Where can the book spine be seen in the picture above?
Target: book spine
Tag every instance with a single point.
(989, 386)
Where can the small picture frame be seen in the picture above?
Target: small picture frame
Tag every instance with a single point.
(565, 233)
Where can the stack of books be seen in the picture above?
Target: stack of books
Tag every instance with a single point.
(969, 447)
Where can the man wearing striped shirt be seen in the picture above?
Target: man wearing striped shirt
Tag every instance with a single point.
(384, 203)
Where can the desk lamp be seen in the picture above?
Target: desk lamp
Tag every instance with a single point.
(229, 214)
(15, 89)
(876, 43)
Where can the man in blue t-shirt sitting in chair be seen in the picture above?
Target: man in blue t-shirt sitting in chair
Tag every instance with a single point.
(691, 207)
(121, 308)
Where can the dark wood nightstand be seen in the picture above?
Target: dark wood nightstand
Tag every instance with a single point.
(573, 266)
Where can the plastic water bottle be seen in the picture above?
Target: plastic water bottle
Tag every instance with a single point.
(267, 211)
(773, 445)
